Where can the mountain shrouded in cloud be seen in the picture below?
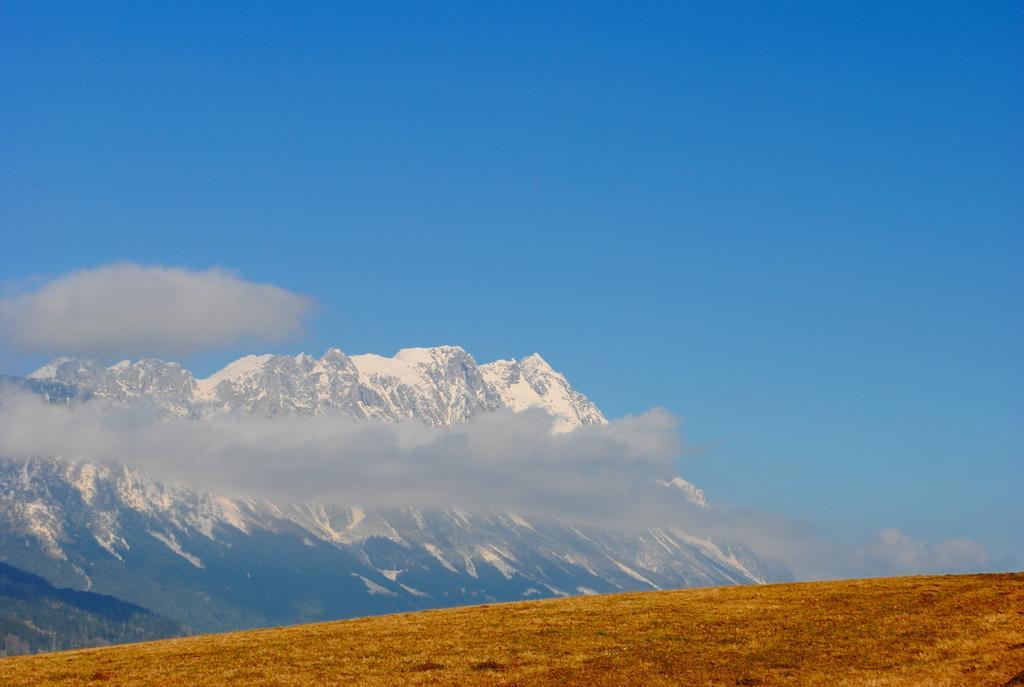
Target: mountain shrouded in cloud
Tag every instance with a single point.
(128, 309)
(428, 428)
(379, 483)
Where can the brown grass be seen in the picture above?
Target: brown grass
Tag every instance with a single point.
(963, 630)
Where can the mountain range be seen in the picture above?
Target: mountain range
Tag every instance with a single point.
(440, 386)
(211, 562)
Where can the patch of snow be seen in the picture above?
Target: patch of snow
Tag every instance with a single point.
(581, 562)
(663, 539)
(45, 526)
(371, 364)
(80, 571)
(712, 550)
(356, 516)
(580, 534)
(532, 383)
(201, 522)
(231, 514)
(497, 561)
(414, 592)
(689, 491)
(460, 515)
(239, 369)
(374, 589)
(436, 553)
(107, 543)
(519, 520)
(85, 482)
(633, 573)
(172, 543)
(49, 371)
(418, 517)
(503, 552)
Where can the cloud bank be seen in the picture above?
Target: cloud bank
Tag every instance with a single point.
(797, 547)
(601, 475)
(128, 309)
(501, 460)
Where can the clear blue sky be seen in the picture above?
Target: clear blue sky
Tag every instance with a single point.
(797, 225)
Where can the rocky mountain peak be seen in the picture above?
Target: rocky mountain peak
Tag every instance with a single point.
(441, 385)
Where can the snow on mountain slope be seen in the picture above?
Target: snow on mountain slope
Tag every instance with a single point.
(532, 383)
(282, 384)
(690, 492)
(215, 562)
(440, 386)
(166, 385)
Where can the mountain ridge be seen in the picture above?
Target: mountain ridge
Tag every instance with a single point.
(440, 385)
(214, 562)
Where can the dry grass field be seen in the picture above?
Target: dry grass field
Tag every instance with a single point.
(957, 630)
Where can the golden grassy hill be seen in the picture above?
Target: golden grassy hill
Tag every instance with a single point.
(957, 630)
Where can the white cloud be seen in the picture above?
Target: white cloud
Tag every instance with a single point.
(894, 552)
(603, 475)
(133, 310)
(799, 548)
(501, 460)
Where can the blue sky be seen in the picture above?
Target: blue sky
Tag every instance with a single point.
(796, 226)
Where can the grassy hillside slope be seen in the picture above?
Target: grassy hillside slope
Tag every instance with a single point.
(962, 630)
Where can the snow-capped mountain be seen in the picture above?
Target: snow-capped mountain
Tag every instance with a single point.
(441, 386)
(215, 563)
(531, 383)
(212, 562)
